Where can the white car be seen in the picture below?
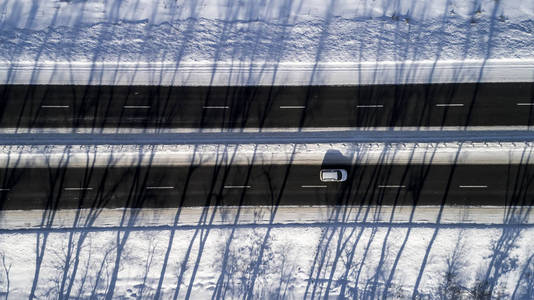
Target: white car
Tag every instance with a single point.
(333, 175)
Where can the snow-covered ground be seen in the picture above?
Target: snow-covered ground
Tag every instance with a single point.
(79, 156)
(429, 260)
(273, 30)
(150, 219)
(222, 42)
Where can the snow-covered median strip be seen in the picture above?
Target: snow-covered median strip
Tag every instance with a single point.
(34, 156)
(267, 74)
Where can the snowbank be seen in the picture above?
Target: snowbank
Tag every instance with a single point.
(240, 73)
(154, 219)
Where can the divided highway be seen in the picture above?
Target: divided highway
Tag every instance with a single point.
(70, 108)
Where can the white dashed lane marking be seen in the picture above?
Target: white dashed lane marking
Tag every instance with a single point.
(313, 186)
(216, 107)
(449, 105)
(391, 186)
(292, 107)
(473, 186)
(55, 106)
(159, 187)
(136, 106)
(237, 186)
(370, 106)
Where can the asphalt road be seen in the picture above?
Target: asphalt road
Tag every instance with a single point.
(64, 106)
(158, 187)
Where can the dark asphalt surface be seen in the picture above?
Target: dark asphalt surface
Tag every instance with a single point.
(483, 104)
(139, 187)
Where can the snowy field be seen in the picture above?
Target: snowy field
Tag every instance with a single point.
(266, 261)
(265, 42)
(272, 31)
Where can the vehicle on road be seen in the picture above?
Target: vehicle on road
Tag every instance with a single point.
(333, 175)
